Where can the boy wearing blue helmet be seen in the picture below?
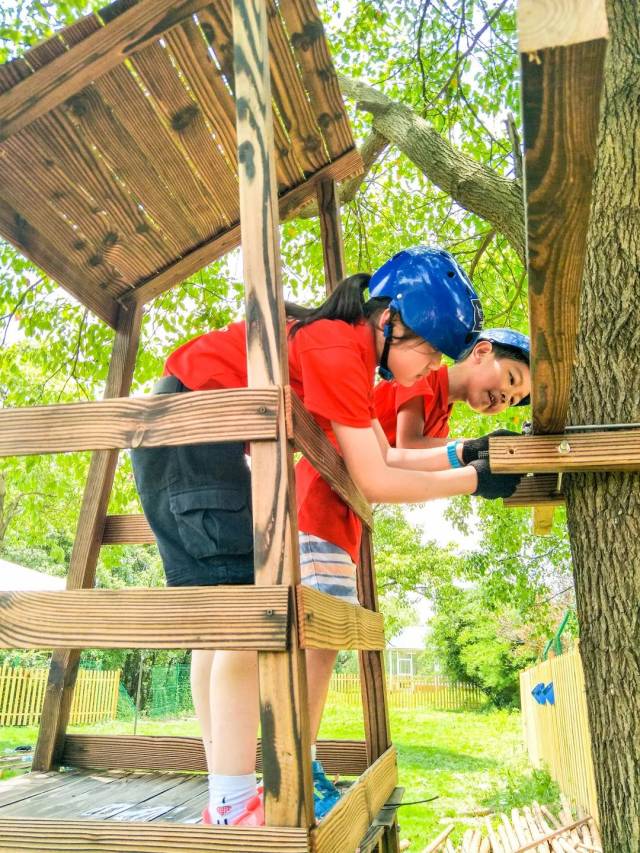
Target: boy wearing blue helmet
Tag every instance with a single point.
(198, 503)
(493, 375)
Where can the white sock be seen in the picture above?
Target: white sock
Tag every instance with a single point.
(313, 752)
(228, 796)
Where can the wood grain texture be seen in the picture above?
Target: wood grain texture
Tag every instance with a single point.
(542, 489)
(127, 530)
(350, 819)
(161, 420)
(592, 451)
(325, 622)
(290, 201)
(86, 547)
(182, 617)
(560, 103)
(149, 752)
(314, 444)
(283, 684)
(68, 74)
(555, 23)
(542, 520)
(80, 836)
(372, 669)
(331, 233)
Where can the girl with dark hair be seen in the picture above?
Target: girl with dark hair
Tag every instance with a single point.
(197, 499)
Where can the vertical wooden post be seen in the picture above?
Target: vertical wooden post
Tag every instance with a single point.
(331, 233)
(286, 752)
(86, 547)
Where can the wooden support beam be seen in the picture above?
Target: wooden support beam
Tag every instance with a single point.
(37, 835)
(325, 622)
(542, 520)
(539, 490)
(145, 21)
(562, 48)
(165, 419)
(127, 530)
(314, 444)
(86, 547)
(346, 165)
(349, 820)
(288, 785)
(331, 233)
(152, 752)
(178, 618)
(576, 451)
(372, 673)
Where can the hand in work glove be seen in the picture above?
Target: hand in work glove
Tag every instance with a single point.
(472, 448)
(492, 486)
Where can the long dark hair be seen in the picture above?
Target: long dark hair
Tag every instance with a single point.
(346, 303)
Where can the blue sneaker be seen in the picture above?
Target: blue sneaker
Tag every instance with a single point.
(325, 793)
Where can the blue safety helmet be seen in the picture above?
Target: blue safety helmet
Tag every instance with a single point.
(510, 339)
(433, 297)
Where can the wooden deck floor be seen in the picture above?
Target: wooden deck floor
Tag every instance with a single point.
(117, 795)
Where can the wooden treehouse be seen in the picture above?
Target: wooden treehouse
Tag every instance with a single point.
(136, 146)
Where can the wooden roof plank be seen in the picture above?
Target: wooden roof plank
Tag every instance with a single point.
(89, 59)
(147, 126)
(217, 26)
(561, 89)
(306, 33)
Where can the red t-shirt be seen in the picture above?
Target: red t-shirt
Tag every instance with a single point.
(331, 368)
(389, 397)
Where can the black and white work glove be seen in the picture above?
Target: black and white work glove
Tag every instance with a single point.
(472, 448)
(493, 486)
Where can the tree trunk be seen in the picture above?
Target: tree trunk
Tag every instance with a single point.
(603, 510)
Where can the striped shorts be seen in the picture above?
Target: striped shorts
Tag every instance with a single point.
(327, 568)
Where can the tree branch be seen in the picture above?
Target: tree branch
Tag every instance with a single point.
(473, 186)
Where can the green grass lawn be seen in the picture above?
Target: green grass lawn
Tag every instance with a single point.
(468, 760)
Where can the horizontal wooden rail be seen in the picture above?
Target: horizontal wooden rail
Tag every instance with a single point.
(223, 617)
(351, 817)
(539, 490)
(37, 835)
(127, 530)
(151, 752)
(240, 414)
(310, 440)
(584, 451)
(325, 622)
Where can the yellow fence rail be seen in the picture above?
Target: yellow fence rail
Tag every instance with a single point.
(22, 693)
(557, 735)
(412, 693)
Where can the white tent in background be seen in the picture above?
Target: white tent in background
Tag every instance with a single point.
(14, 577)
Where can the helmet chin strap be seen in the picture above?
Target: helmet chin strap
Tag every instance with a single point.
(383, 368)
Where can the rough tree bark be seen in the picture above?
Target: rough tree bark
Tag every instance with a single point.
(603, 510)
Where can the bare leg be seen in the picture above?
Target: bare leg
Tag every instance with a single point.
(201, 664)
(319, 668)
(234, 713)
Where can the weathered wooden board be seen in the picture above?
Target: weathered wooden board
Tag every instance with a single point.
(562, 56)
(331, 233)
(542, 520)
(127, 530)
(352, 816)
(314, 444)
(325, 622)
(233, 617)
(542, 489)
(584, 451)
(165, 419)
(147, 752)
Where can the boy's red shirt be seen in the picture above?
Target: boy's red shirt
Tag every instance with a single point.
(389, 397)
(331, 368)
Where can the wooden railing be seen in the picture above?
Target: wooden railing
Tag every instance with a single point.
(429, 693)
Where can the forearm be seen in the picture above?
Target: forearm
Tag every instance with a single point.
(421, 442)
(427, 459)
(412, 486)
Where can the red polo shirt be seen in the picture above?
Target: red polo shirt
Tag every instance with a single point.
(389, 398)
(331, 368)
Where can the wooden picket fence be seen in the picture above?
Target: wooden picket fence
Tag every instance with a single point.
(557, 736)
(412, 693)
(95, 698)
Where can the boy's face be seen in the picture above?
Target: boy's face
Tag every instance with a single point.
(493, 383)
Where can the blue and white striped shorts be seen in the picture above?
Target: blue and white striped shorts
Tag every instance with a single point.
(327, 568)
